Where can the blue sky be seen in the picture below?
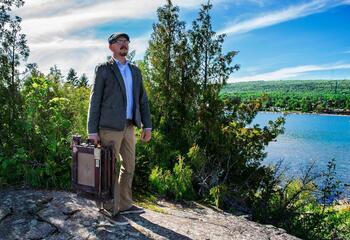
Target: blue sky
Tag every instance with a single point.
(276, 39)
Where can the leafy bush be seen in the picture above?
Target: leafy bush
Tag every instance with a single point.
(302, 207)
(157, 152)
(52, 112)
(217, 194)
(176, 183)
(12, 169)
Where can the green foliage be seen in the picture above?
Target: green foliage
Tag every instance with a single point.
(52, 112)
(78, 107)
(196, 157)
(212, 130)
(293, 204)
(48, 126)
(201, 144)
(83, 81)
(11, 168)
(223, 155)
(217, 194)
(158, 152)
(181, 181)
(72, 77)
(322, 96)
(176, 183)
(158, 180)
(74, 80)
(168, 77)
(13, 49)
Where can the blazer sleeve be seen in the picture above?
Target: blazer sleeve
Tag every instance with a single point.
(144, 107)
(96, 96)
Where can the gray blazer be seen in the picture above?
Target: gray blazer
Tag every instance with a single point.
(107, 108)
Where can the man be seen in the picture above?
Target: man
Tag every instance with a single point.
(118, 102)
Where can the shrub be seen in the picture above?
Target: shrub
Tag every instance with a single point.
(217, 194)
(176, 183)
(301, 206)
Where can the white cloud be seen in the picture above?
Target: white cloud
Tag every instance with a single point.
(260, 3)
(39, 8)
(50, 26)
(80, 54)
(272, 18)
(70, 16)
(291, 72)
(45, 28)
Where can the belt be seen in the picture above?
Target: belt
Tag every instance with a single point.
(129, 122)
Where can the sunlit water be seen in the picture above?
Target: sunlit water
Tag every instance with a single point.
(310, 137)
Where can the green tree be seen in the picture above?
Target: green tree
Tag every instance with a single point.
(185, 72)
(48, 130)
(83, 81)
(72, 77)
(55, 74)
(169, 75)
(212, 68)
(131, 56)
(306, 105)
(13, 49)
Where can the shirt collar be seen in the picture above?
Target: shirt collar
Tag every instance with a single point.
(119, 63)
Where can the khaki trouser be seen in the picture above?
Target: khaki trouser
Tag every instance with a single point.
(124, 143)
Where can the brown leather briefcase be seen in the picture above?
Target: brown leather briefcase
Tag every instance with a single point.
(92, 169)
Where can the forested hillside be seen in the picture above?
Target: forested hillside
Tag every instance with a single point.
(323, 96)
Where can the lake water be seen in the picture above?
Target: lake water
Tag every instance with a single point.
(311, 137)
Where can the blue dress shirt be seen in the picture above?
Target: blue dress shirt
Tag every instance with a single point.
(127, 77)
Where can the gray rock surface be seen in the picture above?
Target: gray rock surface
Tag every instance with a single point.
(57, 215)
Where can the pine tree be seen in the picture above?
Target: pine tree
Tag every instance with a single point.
(32, 69)
(185, 72)
(212, 69)
(212, 65)
(83, 81)
(168, 60)
(55, 74)
(72, 77)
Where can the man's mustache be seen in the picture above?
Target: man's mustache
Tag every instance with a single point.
(124, 48)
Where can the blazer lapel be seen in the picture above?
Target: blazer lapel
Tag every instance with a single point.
(120, 80)
(133, 74)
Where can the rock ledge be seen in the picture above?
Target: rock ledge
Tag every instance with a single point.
(42, 214)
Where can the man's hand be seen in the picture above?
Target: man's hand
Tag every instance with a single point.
(146, 135)
(94, 138)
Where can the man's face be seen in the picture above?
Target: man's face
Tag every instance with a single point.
(120, 47)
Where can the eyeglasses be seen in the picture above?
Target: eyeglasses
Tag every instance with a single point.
(122, 41)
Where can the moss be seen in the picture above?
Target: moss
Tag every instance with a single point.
(148, 201)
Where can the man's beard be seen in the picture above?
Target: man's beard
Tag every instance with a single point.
(123, 54)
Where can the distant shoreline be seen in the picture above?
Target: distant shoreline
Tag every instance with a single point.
(308, 113)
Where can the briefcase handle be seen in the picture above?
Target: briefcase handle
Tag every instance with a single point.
(90, 142)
